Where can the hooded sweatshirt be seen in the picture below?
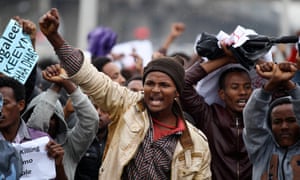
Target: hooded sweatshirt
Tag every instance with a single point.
(75, 141)
(270, 161)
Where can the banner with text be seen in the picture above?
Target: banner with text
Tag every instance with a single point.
(36, 163)
(17, 56)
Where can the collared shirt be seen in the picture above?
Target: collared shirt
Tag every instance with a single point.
(159, 133)
(25, 134)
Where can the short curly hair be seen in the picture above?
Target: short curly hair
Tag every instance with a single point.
(18, 88)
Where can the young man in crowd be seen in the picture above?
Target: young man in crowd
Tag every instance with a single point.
(223, 125)
(148, 136)
(45, 113)
(14, 129)
(272, 129)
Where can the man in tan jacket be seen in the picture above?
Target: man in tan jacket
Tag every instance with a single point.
(149, 137)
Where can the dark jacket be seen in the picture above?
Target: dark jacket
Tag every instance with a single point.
(224, 132)
(89, 164)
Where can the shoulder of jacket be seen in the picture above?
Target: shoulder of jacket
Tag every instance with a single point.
(140, 105)
(195, 131)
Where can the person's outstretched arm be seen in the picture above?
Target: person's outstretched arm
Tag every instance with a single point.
(85, 129)
(107, 95)
(71, 58)
(176, 30)
(256, 132)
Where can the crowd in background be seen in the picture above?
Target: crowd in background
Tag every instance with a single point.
(178, 116)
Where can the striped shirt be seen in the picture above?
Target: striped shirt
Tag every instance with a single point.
(71, 59)
(153, 159)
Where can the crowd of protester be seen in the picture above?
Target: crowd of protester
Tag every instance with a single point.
(153, 121)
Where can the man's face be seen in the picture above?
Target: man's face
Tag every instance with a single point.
(135, 85)
(159, 92)
(114, 72)
(236, 92)
(284, 126)
(104, 119)
(11, 109)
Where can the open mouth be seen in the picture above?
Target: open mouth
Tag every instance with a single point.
(285, 135)
(156, 101)
(242, 102)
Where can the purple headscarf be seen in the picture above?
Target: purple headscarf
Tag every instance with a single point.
(101, 40)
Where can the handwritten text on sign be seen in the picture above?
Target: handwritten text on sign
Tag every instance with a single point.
(17, 56)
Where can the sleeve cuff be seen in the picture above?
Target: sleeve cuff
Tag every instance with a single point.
(263, 95)
(295, 93)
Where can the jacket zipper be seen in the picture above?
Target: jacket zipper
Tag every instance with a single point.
(238, 147)
(282, 164)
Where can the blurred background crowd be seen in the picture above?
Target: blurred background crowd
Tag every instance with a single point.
(138, 19)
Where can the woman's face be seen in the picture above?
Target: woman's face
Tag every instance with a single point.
(159, 92)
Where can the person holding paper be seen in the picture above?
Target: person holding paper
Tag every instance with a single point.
(45, 113)
(29, 28)
(222, 125)
(12, 126)
(148, 136)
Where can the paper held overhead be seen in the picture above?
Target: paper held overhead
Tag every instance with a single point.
(245, 44)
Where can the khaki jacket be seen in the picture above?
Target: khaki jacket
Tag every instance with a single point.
(191, 159)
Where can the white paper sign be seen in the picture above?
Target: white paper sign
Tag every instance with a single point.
(142, 47)
(237, 38)
(36, 163)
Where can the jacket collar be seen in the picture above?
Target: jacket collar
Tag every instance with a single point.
(185, 138)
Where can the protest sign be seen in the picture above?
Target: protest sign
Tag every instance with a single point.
(142, 47)
(36, 163)
(17, 56)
